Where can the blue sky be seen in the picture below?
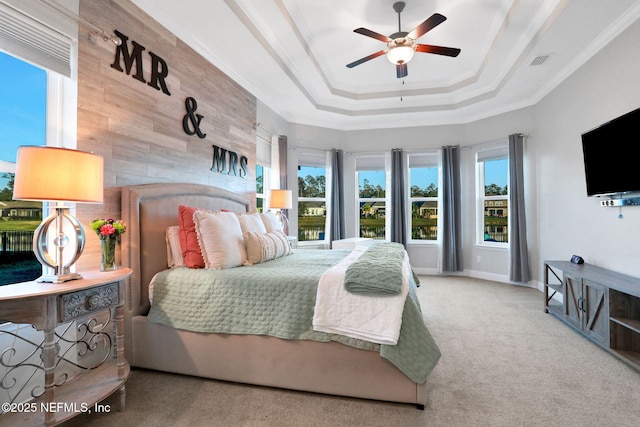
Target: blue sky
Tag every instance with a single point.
(496, 172)
(23, 94)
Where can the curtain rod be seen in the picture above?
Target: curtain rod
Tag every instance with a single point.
(259, 125)
(494, 141)
(59, 8)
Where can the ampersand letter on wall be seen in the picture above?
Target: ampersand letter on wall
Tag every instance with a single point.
(192, 118)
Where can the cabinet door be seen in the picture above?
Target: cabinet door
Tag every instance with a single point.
(573, 300)
(595, 308)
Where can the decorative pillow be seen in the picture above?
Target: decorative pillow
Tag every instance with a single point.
(271, 221)
(174, 250)
(191, 252)
(263, 247)
(220, 238)
(251, 223)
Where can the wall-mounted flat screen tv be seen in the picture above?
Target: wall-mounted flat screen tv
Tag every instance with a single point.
(610, 161)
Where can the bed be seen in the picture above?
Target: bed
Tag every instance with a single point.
(327, 367)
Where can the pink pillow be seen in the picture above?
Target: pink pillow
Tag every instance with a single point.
(191, 252)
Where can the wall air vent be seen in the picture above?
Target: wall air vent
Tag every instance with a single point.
(539, 60)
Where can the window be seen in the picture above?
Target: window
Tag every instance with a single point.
(312, 196)
(23, 96)
(423, 196)
(312, 203)
(493, 192)
(260, 189)
(263, 168)
(372, 180)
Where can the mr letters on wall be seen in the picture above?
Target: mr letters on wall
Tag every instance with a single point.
(224, 161)
(159, 68)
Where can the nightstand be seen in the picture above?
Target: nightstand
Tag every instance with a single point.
(78, 361)
(293, 242)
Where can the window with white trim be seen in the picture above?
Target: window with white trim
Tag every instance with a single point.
(260, 190)
(23, 99)
(423, 196)
(312, 195)
(373, 178)
(492, 171)
(37, 86)
(263, 171)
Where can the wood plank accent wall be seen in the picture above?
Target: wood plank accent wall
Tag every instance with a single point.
(138, 129)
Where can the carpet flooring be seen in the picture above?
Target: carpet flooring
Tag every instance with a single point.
(505, 362)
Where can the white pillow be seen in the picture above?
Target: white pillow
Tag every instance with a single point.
(271, 221)
(263, 247)
(174, 250)
(251, 222)
(220, 239)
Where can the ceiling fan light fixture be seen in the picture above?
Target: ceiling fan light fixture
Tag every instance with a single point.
(402, 45)
(400, 54)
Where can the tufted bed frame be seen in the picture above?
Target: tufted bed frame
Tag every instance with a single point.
(329, 368)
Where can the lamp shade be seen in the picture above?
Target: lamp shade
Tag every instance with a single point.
(280, 199)
(400, 54)
(60, 174)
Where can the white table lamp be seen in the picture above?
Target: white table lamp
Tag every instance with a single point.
(59, 175)
(281, 199)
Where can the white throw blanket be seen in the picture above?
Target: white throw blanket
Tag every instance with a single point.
(371, 318)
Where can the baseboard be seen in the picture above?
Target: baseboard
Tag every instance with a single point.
(425, 271)
(487, 276)
(479, 275)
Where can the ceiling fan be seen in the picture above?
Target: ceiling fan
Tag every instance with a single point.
(402, 45)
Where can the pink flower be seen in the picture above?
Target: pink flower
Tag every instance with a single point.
(107, 230)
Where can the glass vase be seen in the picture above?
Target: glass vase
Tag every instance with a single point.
(108, 261)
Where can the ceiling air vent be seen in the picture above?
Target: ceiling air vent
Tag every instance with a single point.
(539, 60)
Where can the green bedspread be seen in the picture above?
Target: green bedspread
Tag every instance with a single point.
(378, 271)
(277, 298)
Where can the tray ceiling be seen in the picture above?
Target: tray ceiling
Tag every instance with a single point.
(292, 54)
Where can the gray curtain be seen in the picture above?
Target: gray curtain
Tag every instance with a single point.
(337, 225)
(451, 210)
(282, 155)
(282, 158)
(520, 271)
(398, 198)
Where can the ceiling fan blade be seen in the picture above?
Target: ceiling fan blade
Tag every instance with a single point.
(402, 70)
(432, 22)
(438, 50)
(365, 59)
(373, 34)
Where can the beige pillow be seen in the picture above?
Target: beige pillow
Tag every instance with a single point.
(220, 239)
(252, 222)
(271, 221)
(174, 250)
(263, 247)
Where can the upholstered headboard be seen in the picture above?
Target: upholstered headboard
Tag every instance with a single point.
(148, 209)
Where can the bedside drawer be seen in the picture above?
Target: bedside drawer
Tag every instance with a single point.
(81, 303)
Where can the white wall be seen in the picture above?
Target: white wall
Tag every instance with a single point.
(569, 222)
(270, 120)
(562, 220)
(493, 262)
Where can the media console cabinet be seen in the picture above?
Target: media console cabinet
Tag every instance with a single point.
(601, 304)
